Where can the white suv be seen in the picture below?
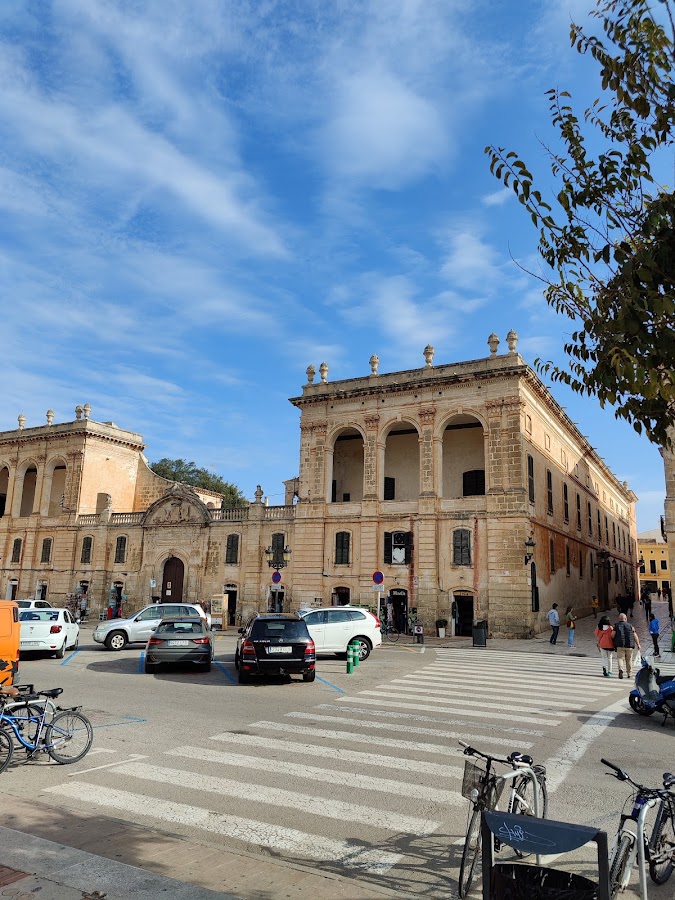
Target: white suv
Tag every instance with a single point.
(137, 629)
(333, 628)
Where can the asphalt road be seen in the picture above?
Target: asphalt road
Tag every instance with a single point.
(357, 775)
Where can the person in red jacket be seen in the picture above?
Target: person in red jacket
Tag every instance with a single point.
(605, 635)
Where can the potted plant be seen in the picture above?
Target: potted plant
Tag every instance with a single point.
(441, 625)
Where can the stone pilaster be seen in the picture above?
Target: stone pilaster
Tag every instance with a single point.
(370, 458)
(427, 416)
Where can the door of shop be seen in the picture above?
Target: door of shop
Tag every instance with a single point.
(172, 580)
(462, 613)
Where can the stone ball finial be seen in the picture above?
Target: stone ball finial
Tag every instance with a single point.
(78, 412)
(21, 419)
(323, 372)
(310, 372)
(50, 416)
(374, 363)
(493, 343)
(429, 355)
(86, 409)
(512, 341)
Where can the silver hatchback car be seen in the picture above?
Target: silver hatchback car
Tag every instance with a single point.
(115, 634)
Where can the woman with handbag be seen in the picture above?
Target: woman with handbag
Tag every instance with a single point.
(605, 635)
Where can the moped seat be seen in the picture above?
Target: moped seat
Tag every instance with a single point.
(664, 679)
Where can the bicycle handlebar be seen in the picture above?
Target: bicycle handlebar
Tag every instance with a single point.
(620, 775)
(512, 760)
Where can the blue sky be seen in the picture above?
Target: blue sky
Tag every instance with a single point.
(199, 199)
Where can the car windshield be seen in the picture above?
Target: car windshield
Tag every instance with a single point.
(179, 628)
(39, 615)
(286, 629)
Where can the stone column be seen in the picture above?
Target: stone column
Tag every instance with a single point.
(320, 492)
(370, 458)
(493, 457)
(426, 448)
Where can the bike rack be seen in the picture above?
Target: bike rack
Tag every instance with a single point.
(642, 815)
(530, 835)
(528, 771)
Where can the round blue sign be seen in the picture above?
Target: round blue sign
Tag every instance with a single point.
(276, 578)
(378, 577)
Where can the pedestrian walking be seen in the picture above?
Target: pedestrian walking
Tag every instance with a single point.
(647, 603)
(658, 593)
(669, 597)
(570, 620)
(631, 604)
(654, 630)
(554, 622)
(605, 635)
(594, 606)
(625, 642)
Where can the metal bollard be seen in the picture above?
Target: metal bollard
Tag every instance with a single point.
(350, 659)
(357, 658)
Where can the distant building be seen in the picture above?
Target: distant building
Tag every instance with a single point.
(465, 484)
(654, 569)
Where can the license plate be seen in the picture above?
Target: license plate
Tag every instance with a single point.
(30, 643)
(178, 643)
(279, 649)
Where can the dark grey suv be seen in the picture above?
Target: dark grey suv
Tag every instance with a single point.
(273, 644)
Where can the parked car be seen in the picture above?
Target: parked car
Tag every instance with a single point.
(333, 628)
(136, 629)
(179, 640)
(48, 630)
(275, 643)
(33, 604)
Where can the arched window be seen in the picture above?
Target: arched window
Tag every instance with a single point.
(342, 548)
(461, 547)
(46, 554)
(85, 556)
(232, 550)
(121, 549)
(16, 551)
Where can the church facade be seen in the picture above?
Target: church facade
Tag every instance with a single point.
(465, 484)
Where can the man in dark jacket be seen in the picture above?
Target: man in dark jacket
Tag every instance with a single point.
(625, 642)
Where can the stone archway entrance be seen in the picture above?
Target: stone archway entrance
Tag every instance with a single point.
(172, 580)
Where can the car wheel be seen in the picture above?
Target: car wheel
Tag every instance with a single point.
(364, 647)
(75, 645)
(61, 652)
(150, 668)
(309, 676)
(243, 676)
(236, 661)
(116, 640)
(207, 666)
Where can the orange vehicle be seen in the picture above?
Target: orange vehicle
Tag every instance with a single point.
(10, 637)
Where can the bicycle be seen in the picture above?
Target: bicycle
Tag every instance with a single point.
(67, 736)
(657, 852)
(390, 632)
(483, 787)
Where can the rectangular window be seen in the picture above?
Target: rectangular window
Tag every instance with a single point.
(551, 555)
(397, 548)
(614, 535)
(232, 550)
(530, 478)
(473, 483)
(664, 565)
(46, 554)
(333, 492)
(566, 503)
(389, 488)
(121, 549)
(652, 566)
(16, 551)
(461, 547)
(567, 561)
(581, 563)
(599, 528)
(549, 492)
(590, 520)
(606, 531)
(578, 513)
(85, 556)
(278, 544)
(342, 548)
(346, 498)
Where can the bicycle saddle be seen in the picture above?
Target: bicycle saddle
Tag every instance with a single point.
(520, 758)
(53, 693)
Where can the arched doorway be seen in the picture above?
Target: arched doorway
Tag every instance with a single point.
(172, 580)
(462, 613)
(341, 596)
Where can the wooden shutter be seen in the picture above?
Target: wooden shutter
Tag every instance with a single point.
(232, 550)
(408, 548)
(461, 547)
(530, 478)
(342, 548)
(46, 550)
(121, 549)
(387, 547)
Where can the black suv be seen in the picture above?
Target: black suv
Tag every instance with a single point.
(275, 643)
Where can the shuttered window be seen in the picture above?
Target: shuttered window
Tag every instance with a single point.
(16, 551)
(278, 544)
(551, 555)
(578, 513)
(566, 503)
(46, 554)
(461, 547)
(473, 483)
(549, 492)
(530, 478)
(397, 547)
(121, 549)
(85, 556)
(342, 548)
(389, 488)
(232, 550)
(590, 520)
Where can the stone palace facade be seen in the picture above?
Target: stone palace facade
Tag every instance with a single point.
(465, 484)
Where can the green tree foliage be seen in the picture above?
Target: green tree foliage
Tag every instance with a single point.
(188, 473)
(611, 239)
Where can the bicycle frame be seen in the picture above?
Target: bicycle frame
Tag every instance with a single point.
(10, 720)
(639, 844)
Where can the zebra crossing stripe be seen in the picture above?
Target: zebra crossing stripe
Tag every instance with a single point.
(322, 776)
(412, 717)
(273, 796)
(554, 680)
(545, 671)
(250, 832)
(340, 753)
(489, 684)
(387, 726)
(442, 708)
(456, 705)
(512, 695)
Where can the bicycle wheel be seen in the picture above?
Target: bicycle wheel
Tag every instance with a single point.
(523, 801)
(393, 634)
(662, 848)
(619, 864)
(25, 715)
(470, 853)
(68, 737)
(6, 749)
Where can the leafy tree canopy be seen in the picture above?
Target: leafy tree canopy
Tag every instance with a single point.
(610, 240)
(188, 473)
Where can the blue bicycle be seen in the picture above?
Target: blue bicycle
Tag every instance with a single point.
(40, 727)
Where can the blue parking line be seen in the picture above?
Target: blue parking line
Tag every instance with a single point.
(68, 658)
(228, 675)
(131, 720)
(330, 685)
(141, 661)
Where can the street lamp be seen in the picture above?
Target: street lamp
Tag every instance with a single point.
(529, 549)
(274, 561)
